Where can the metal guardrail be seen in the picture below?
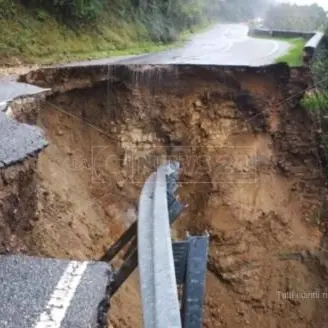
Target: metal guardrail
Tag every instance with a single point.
(164, 265)
(280, 33)
(313, 39)
(158, 285)
(311, 46)
(129, 237)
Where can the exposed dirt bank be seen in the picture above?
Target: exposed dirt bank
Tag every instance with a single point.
(26, 109)
(251, 174)
(17, 69)
(18, 204)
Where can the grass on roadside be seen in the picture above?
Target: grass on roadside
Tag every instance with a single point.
(294, 56)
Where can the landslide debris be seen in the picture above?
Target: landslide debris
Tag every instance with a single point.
(250, 172)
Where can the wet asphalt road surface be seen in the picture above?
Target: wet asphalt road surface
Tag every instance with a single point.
(49, 293)
(11, 89)
(18, 141)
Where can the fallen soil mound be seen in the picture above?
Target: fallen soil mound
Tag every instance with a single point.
(250, 173)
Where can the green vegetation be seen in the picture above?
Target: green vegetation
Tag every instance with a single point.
(316, 101)
(241, 10)
(49, 41)
(286, 16)
(48, 31)
(292, 17)
(76, 12)
(294, 56)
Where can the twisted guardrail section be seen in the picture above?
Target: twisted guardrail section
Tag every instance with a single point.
(155, 261)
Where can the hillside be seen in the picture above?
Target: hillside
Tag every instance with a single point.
(49, 31)
(33, 31)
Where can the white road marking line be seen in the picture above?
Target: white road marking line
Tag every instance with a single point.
(226, 31)
(228, 47)
(275, 48)
(60, 300)
(229, 42)
(254, 61)
(232, 41)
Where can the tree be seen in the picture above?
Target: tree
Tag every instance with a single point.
(287, 16)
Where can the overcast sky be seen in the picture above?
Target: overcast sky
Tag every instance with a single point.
(322, 3)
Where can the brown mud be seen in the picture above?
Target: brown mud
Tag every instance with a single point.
(251, 174)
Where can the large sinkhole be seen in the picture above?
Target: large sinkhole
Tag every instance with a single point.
(250, 174)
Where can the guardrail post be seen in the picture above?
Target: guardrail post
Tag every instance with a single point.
(194, 288)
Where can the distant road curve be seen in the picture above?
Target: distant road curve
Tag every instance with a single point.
(224, 44)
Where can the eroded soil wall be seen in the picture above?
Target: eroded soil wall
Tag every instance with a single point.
(251, 175)
(18, 205)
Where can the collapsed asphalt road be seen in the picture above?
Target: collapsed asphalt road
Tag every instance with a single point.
(17, 141)
(10, 90)
(225, 44)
